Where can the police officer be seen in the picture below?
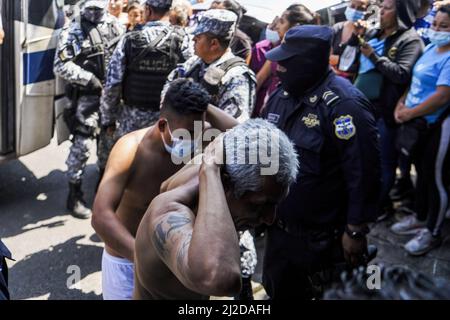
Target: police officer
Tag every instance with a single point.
(84, 50)
(139, 69)
(4, 254)
(324, 218)
(226, 77)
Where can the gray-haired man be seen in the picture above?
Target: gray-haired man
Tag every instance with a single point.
(187, 246)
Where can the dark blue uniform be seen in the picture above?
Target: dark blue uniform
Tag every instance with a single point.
(336, 137)
(4, 254)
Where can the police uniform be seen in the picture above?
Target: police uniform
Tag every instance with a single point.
(84, 51)
(138, 71)
(229, 80)
(335, 135)
(4, 254)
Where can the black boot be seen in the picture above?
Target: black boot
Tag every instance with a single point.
(75, 202)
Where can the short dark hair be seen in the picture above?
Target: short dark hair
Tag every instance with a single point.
(159, 11)
(445, 9)
(186, 97)
(300, 14)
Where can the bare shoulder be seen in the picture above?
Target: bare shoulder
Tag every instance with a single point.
(124, 151)
(133, 138)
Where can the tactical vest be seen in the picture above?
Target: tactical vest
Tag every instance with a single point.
(212, 79)
(96, 58)
(149, 65)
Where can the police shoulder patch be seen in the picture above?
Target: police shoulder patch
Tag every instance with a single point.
(273, 118)
(344, 127)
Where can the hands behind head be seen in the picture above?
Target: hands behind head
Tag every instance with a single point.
(438, 4)
(213, 157)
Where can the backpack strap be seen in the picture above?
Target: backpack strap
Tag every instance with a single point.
(97, 42)
(233, 62)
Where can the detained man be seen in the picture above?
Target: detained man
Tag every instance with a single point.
(187, 245)
(138, 164)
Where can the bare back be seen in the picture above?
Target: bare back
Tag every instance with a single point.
(149, 167)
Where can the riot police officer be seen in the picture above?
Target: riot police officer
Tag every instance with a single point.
(324, 218)
(84, 51)
(139, 69)
(4, 254)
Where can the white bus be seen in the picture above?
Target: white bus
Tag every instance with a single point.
(27, 83)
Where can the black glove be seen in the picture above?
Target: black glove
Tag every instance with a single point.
(95, 84)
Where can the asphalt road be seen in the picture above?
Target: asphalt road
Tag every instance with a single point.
(45, 241)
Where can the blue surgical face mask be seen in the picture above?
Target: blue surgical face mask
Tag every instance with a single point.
(354, 15)
(272, 36)
(180, 148)
(438, 38)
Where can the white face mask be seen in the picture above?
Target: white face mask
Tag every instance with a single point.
(439, 38)
(180, 148)
(272, 36)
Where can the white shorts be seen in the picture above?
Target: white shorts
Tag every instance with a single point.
(117, 278)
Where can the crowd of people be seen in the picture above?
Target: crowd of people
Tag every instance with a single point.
(346, 107)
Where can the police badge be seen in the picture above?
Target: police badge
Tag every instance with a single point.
(344, 127)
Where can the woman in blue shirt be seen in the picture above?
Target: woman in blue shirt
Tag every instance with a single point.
(429, 99)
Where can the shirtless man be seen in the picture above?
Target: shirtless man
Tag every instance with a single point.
(137, 166)
(187, 245)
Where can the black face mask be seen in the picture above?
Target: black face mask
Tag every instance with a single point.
(301, 74)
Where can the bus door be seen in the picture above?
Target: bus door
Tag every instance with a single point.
(36, 30)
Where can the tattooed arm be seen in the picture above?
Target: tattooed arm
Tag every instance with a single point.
(202, 251)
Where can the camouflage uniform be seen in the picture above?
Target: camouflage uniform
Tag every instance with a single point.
(113, 111)
(236, 96)
(237, 90)
(72, 41)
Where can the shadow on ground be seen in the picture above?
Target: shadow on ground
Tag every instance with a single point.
(26, 200)
(46, 272)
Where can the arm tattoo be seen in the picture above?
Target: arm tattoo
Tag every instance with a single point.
(159, 239)
(177, 222)
(182, 252)
(161, 234)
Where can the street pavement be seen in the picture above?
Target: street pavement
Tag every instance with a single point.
(44, 239)
(48, 244)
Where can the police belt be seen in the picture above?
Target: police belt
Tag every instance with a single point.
(298, 231)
